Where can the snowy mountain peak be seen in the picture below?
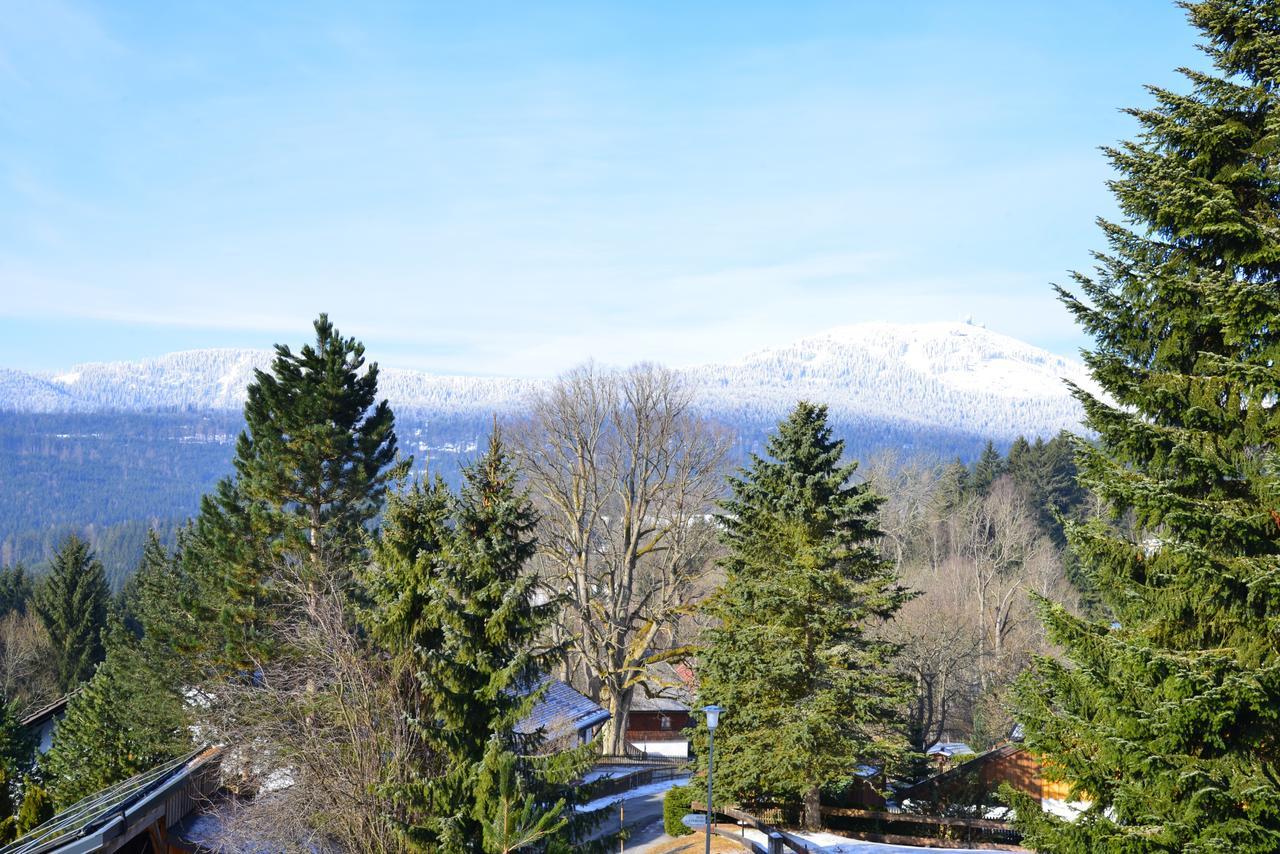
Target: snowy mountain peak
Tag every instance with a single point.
(953, 376)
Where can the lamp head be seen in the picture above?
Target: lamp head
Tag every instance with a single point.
(713, 716)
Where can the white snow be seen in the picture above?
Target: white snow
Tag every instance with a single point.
(948, 375)
(1069, 810)
(639, 791)
(603, 771)
(830, 843)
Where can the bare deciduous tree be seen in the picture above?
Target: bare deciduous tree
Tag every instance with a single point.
(975, 557)
(313, 736)
(28, 673)
(625, 475)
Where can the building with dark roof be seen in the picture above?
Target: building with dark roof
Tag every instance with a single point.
(41, 723)
(566, 718)
(660, 714)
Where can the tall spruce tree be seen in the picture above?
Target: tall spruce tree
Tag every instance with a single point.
(127, 719)
(72, 602)
(152, 605)
(1165, 716)
(988, 467)
(15, 589)
(807, 687)
(132, 714)
(454, 602)
(311, 473)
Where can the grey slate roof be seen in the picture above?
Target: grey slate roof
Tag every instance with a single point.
(42, 715)
(663, 691)
(562, 712)
(642, 702)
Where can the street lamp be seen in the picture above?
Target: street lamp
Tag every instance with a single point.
(713, 720)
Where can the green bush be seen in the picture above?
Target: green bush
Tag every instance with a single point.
(675, 806)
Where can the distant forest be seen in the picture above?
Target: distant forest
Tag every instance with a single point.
(112, 477)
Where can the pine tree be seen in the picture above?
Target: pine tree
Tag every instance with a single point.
(987, 469)
(1165, 715)
(146, 585)
(512, 814)
(132, 714)
(15, 589)
(72, 603)
(127, 719)
(311, 472)
(807, 687)
(36, 808)
(454, 601)
(152, 605)
(16, 752)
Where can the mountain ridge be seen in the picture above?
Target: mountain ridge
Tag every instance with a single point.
(953, 375)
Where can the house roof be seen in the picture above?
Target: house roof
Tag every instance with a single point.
(950, 748)
(960, 771)
(560, 712)
(667, 688)
(93, 823)
(642, 702)
(39, 716)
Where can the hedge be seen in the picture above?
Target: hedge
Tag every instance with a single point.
(675, 806)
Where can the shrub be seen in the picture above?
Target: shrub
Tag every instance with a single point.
(675, 806)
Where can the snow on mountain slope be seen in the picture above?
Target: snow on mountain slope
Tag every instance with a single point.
(217, 379)
(950, 375)
(30, 393)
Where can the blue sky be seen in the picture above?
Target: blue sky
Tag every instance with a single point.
(513, 188)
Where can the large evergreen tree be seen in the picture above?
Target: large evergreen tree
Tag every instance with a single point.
(1165, 715)
(311, 472)
(72, 602)
(17, 750)
(807, 686)
(127, 719)
(132, 714)
(454, 601)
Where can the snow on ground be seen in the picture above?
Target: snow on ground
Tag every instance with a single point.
(602, 771)
(829, 843)
(639, 791)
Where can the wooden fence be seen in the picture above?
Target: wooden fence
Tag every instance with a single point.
(992, 835)
(613, 785)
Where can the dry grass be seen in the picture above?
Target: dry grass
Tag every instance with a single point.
(696, 844)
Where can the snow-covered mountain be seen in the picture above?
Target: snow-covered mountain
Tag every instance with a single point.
(955, 376)
(952, 376)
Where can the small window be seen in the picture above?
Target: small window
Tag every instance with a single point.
(664, 722)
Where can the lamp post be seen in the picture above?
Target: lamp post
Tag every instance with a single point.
(713, 720)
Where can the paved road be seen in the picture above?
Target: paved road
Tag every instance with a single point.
(641, 815)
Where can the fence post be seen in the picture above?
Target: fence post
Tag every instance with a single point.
(775, 843)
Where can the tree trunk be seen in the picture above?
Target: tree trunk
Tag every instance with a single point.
(813, 808)
(614, 738)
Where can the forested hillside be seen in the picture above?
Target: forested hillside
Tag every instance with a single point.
(109, 450)
(110, 477)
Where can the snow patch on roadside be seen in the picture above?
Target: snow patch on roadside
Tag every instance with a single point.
(639, 791)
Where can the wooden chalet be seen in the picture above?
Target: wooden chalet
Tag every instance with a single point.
(661, 714)
(978, 778)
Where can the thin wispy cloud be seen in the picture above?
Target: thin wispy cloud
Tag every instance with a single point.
(516, 191)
